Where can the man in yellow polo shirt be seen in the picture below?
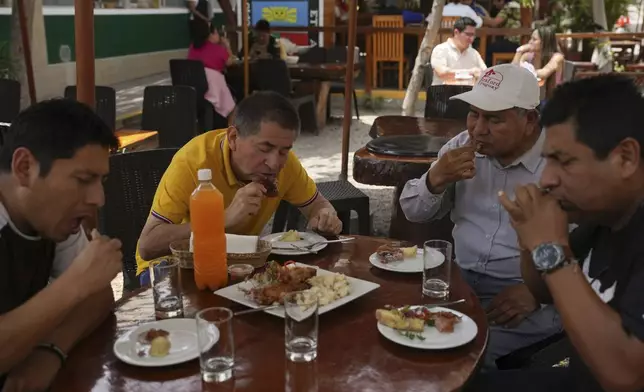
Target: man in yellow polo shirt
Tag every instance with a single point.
(257, 145)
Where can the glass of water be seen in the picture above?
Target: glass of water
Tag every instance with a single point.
(437, 268)
(301, 326)
(166, 287)
(216, 344)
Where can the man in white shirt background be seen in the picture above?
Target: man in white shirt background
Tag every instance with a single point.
(455, 8)
(456, 55)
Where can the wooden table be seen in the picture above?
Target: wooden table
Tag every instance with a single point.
(131, 138)
(321, 76)
(387, 170)
(352, 355)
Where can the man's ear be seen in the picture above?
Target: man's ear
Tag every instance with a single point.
(24, 166)
(232, 134)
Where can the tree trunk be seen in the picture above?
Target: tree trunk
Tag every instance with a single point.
(424, 53)
(17, 54)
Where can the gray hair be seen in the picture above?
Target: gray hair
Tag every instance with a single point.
(265, 106)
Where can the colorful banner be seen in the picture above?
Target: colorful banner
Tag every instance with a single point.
(281, 13)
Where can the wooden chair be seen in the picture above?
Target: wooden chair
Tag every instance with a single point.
(502, 58)
(388, 48)
(447, 22)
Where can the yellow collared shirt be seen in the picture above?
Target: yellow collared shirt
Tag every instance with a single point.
(211, 151)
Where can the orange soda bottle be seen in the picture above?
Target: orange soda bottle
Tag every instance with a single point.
(209, 237)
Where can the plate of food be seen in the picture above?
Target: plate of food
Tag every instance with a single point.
(268, 287)
(434, 328)
(398, 259)
(160, 343)
(295, 243)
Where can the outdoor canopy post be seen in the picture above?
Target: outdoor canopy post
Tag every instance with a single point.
(26, 47)
(84, 36)
(348, 89)
(245, 43)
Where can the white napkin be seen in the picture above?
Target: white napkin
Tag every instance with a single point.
(241, 243)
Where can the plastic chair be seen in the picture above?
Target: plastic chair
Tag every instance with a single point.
(105, 103)
(273, 75)
(191, 73)
(171, 111)
(438, 104)
(10, 98)
(343, 196)
(129, 192)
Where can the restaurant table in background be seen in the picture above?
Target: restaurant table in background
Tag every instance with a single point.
(352, 355)
(395, 170)
(319, 77)
(134, 138)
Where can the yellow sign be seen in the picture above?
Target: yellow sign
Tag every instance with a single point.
(280, 14)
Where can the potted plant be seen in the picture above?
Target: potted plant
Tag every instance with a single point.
(6, 66)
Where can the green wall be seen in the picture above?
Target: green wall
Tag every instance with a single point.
(5, 28)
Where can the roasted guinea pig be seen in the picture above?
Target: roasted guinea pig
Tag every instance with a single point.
(269, 184)
(289, 280)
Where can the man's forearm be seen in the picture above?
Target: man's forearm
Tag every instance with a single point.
(444, 72)
(420, 205)
(24, 327)
(156, 241)
(596, 331)
(84, 319)
(532, 279)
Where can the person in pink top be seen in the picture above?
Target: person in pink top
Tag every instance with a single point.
(214, 52)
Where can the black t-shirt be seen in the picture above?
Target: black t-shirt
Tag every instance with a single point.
(613, 264)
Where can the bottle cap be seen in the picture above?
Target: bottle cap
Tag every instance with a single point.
(204, 175)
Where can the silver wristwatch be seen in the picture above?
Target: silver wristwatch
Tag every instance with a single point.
(549, 257)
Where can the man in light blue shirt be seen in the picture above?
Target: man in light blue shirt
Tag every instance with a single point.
(500, 150)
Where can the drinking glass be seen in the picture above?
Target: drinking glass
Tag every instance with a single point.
(216, 344)
(301, 326)
(166, 287)
(437, 268)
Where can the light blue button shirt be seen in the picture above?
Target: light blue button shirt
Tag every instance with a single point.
(484, 240)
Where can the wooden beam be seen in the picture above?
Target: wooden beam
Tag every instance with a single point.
(84, 39)
(227, 9)
(26, 48)
(348, 88)
(245, 43)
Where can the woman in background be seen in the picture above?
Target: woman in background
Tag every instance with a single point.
(544, 56)
(214, 52)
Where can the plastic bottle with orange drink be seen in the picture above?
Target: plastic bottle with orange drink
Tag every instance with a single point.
(209, 236)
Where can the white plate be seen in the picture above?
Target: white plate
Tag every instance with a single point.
(408, 265)
(464, 332)
(183, 343)
(307, 239)
(359, 288)
(463, 76)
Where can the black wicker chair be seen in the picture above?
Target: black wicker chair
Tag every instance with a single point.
(10, 98)
(438, 104)
(3, 130)
(273, 75)
(129, 189)
(172, 111)
(105, 103)
(191, 73)
(338, 54)
(343, 196)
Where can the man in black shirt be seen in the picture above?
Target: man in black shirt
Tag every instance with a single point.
(594, 176)
(55, 284)
(261, 44)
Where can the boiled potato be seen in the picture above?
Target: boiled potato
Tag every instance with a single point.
(397, 321)
(160, 347)
(290, 236)
(409, 252)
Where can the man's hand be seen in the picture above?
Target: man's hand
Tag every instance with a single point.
(511, 306)
(536, 217)
(97, 264)
(326, 221)
(453, 166)
(475, 72)
(245, 204)
(34, 374)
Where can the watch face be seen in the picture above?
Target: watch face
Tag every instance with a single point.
(547, 256)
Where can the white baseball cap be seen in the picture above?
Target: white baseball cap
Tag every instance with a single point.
(503, 87)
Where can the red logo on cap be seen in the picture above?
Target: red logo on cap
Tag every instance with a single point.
(491, 79)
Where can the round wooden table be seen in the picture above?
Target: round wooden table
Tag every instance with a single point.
(352, 355)
(388, 170)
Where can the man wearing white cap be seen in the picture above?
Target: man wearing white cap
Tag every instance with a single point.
(500, 150)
